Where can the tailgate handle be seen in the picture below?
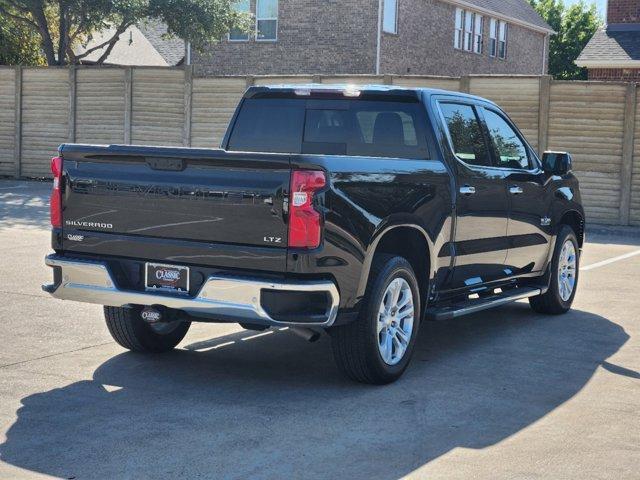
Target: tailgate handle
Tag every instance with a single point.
(161, 163)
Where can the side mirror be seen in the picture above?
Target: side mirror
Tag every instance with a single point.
(557, 163)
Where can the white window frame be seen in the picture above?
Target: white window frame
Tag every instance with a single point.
(503, 32)
(258, 19)
(459, 29)
(478, 34)
(385, 26)
(248, 10)
(493, 38)
(469, 21)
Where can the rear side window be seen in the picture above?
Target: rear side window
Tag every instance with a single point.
(469, 143)
(268, 125)
(332, 127)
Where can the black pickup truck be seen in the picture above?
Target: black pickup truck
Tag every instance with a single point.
(359, 211)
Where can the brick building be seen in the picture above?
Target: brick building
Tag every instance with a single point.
(614, 52)
(426, 37)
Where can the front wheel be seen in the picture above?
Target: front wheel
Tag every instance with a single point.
(129, 330)
(565, 268)
(377, 347)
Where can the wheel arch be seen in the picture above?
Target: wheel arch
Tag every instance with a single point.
(575, 220)
(406, 240)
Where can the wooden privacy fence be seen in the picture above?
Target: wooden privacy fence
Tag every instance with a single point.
(598, 122)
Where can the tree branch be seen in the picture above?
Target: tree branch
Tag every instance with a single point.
(116, 36)
(18, 18)
(114, 40)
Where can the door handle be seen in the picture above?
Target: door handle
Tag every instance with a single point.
(516, 191)
(467, 190)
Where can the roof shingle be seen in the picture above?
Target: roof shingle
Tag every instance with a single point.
(612, 46)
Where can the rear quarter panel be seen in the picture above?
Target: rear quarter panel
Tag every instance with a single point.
(365, 198)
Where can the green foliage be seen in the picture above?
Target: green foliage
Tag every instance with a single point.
(19, 45)
(575, 25)
(63, 24)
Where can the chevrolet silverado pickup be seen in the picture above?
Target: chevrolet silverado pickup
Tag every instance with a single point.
(355, 211)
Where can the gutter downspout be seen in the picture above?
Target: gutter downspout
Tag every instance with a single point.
(187, 56)
(379, 38)
(547, 39)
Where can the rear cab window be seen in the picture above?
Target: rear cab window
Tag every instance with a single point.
(353, 127)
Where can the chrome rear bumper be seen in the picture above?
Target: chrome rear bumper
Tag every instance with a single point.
(238, 299)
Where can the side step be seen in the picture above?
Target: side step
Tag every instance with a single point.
(476, 305)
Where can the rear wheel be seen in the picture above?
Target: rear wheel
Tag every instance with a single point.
(564, 276)
(129, 330)
(377, 347)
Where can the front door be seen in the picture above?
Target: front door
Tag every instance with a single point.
(528, 231)
(482, 206)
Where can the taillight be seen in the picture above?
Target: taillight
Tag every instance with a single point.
(56, 194)
(305, 222)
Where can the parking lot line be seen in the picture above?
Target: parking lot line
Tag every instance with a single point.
(610, 260)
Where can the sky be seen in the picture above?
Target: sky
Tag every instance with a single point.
(602, 4)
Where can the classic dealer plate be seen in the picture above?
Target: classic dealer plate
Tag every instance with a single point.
(171, 278)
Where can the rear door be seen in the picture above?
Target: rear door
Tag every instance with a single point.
(482, 207)
(528, 229)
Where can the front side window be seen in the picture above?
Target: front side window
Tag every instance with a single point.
(236, 35)
(477, 35)
(493, 37)
(509, 148)
(457, 41)
(390, 18)
(468, 141)
(502, 40)
(267, 20)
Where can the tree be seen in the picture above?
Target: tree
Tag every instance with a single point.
(18, 44)
(574, 26)
(62, 24)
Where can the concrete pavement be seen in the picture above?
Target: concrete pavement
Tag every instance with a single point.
(502, 394)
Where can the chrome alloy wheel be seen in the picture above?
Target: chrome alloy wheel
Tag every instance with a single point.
(567, 264)
(395, 321)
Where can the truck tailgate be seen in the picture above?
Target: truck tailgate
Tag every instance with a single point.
(152, 196)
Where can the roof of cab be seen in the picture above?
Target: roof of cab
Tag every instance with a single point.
(355, 90)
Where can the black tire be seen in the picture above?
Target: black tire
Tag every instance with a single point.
(551, 303)
(130, 331)
(355, 345)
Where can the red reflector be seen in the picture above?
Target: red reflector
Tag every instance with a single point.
(305, 223)
(56, 195)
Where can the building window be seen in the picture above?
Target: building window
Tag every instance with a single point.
(493, 37)
(469, 20)
(502, 40)
(236, 35)
(457, 42)
(267, 20)
(478, 33)
(390, 18)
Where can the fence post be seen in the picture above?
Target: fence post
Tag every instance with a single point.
(17, 143)
(465, 84)
(626, 170)
(188, 93)
(543, 113)
(128, 104)
(72, 102)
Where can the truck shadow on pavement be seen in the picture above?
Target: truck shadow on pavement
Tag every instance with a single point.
(276, 407)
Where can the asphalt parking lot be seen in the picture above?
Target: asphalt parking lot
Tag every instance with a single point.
(504, 394)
